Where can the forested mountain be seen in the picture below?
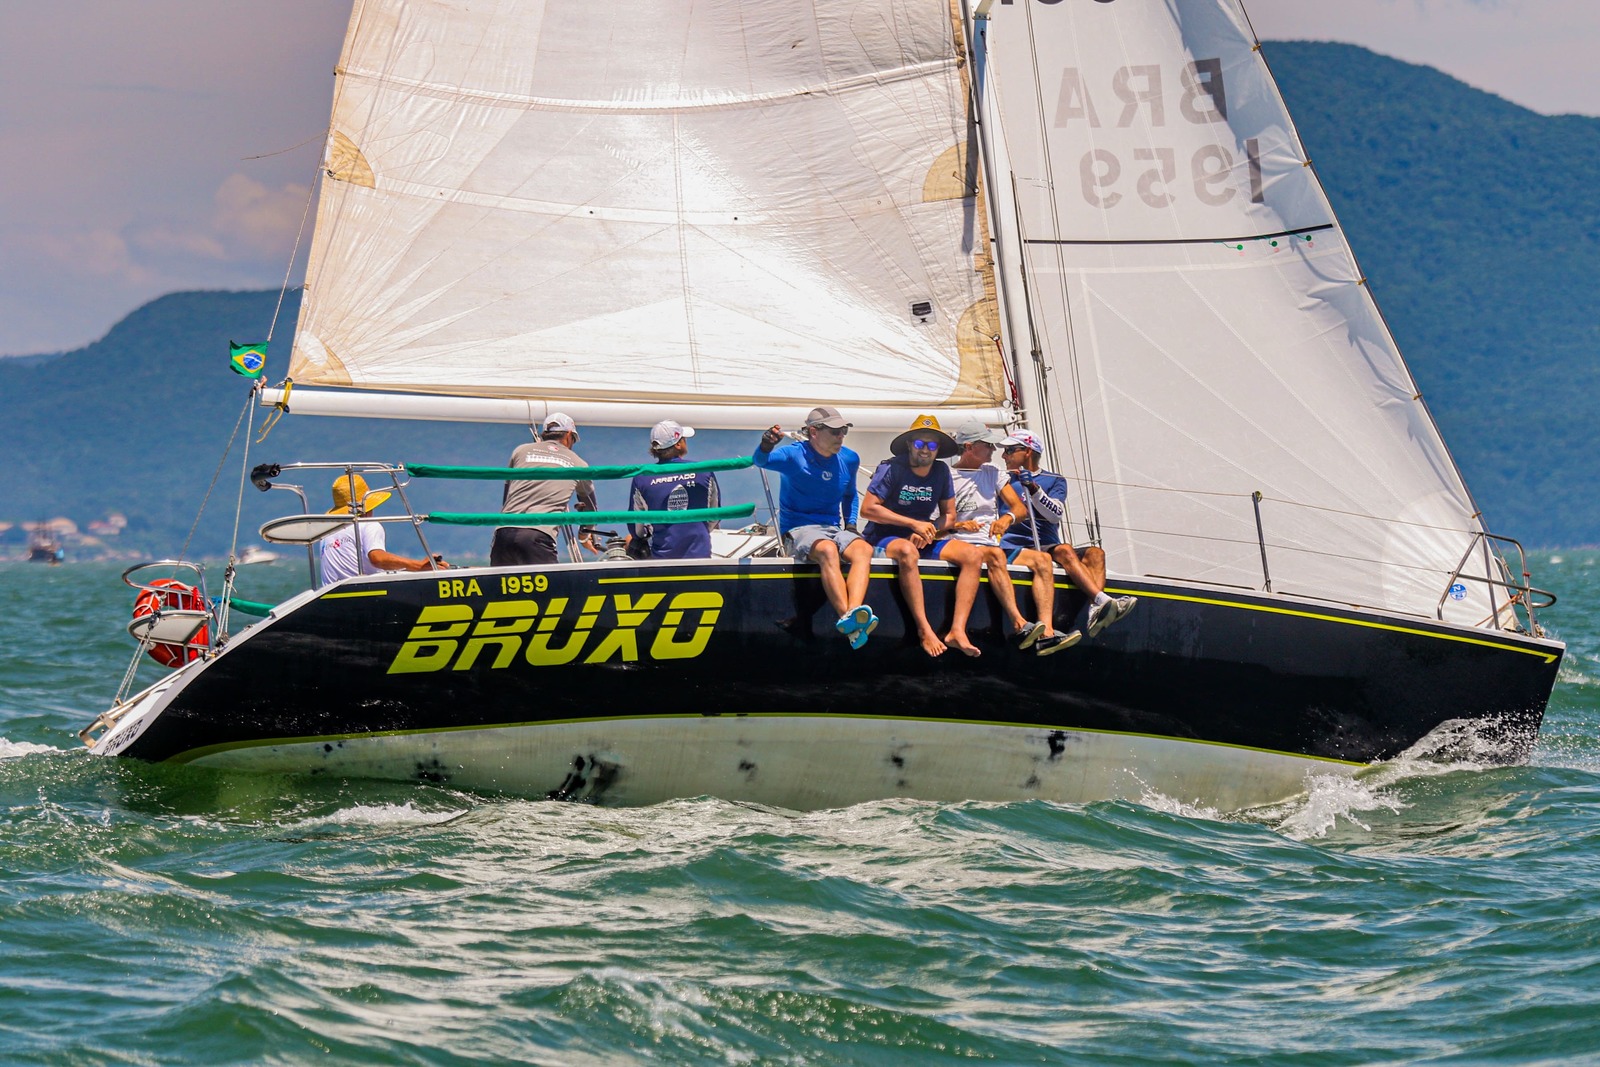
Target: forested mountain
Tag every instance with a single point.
(1476, 221)
(138, 422)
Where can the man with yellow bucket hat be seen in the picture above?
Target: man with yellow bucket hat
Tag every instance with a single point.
(360, 548)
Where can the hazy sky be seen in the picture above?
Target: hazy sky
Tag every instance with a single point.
(154, 145)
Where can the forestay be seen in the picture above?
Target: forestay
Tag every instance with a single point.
(744, 204)
(1204, 330)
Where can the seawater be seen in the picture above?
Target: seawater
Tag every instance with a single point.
(1419, 913)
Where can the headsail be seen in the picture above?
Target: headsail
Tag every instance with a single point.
(1203, 330)
(743, 206)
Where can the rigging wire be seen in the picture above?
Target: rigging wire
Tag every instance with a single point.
(249, 401)
(1084, 457)
(291, 148)
(238, 508)
(250, 409)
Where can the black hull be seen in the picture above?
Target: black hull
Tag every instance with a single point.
(421, 655)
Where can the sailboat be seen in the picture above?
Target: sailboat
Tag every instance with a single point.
(44, 546)
(1094, 220)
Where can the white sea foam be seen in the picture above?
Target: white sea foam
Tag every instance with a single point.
(1328, 799)
(1155, 800)
(13, 749)
(405, 814)
(1450, 748)
(1572, 676)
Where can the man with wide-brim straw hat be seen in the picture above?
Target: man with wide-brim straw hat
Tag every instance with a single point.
(910, 507)
(360, 547)
(348, 487)
(927, 428)
(817, 508)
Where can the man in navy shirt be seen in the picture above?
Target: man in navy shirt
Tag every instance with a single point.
(910, 505)
(982, 490)
(817, 513)
(662, 490)
(1045, 495)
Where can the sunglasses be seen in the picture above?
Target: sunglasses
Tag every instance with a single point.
(931, 446)
(840, 432)
(1012, 450)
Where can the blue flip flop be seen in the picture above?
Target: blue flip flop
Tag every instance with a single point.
(857, 619)
(866, 617)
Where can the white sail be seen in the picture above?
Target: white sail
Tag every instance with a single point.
(1204, 332)
(744, 206)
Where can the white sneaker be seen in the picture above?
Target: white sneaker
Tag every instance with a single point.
(1103, 615)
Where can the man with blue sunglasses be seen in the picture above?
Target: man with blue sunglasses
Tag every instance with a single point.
(910, 508)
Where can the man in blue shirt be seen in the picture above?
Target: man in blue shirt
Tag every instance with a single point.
(662, 490)
(817, 513)
(1045, 494)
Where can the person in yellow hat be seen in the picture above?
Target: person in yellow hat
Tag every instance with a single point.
(911, 511)
(359, 547)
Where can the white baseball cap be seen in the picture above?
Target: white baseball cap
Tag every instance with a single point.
(1025, 439)
(667, 433)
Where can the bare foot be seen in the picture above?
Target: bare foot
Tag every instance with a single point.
(960, 643)
(931, 643)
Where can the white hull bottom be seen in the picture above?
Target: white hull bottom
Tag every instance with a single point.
(800, 762)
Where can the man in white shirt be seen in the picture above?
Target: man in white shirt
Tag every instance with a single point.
(981, 491)
(360, 548)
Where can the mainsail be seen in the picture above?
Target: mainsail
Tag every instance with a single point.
(1201, 330)
(741, 206)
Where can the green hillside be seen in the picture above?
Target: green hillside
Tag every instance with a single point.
(138, 421)
(1477, 222)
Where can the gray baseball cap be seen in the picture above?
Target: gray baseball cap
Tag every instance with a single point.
(974, 430)
(559, 423)
(825, 416)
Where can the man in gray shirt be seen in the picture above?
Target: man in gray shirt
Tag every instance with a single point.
(521, 545)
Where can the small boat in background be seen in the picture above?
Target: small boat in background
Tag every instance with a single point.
(257, 554)
(44, 546)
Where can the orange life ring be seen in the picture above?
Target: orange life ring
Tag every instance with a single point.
(166, 594)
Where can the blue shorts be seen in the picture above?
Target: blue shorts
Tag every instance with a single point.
(931, 552)
(1011, 552)
(802, 539)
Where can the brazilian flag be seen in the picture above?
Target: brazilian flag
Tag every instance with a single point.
(248, 360)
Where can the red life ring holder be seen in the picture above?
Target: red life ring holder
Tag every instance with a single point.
(166, 594)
